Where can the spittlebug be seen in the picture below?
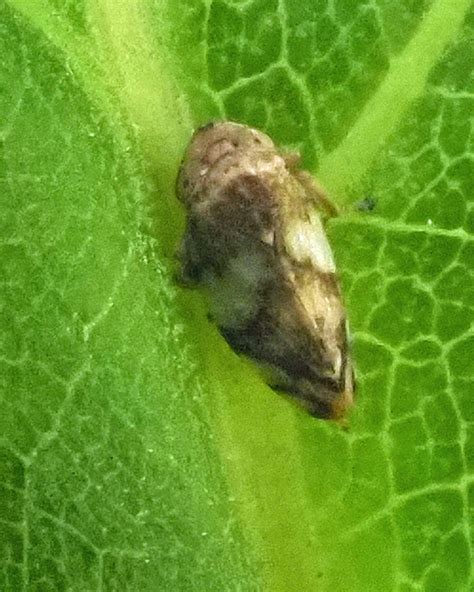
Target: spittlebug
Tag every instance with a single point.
(255, 241)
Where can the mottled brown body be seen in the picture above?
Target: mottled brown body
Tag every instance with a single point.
(254, 240)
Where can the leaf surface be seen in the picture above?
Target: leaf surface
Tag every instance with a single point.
(137, 452)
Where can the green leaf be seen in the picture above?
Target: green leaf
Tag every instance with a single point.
(137, 452)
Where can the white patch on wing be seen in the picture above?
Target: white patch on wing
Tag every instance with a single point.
(306, 240)
(235, 294)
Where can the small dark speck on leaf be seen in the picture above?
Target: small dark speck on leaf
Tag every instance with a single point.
(367, 204)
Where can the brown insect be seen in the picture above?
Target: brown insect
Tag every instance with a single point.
(254, 240)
